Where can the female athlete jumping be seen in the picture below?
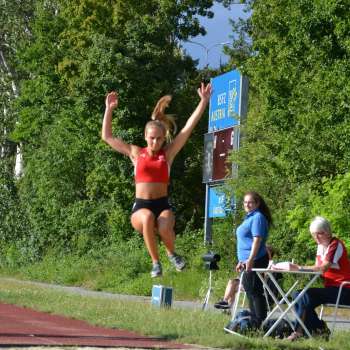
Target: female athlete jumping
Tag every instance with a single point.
(151, 212)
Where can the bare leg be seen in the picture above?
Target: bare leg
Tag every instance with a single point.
(165, 223)
(143, 221)
(231, 290)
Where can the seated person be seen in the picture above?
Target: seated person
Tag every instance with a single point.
(233, 285)
(229, 296)
(332, 260)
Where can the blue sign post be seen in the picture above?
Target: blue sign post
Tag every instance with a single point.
(228, 106)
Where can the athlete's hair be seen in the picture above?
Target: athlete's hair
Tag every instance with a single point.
(166, 122)
(262, 206)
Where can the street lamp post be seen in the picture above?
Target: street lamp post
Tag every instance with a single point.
(207, 49)
(205, 77)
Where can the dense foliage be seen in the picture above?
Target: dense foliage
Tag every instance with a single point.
(76, 192)
(14, 28)
(295, 147)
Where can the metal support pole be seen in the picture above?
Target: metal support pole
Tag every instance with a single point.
(208, 239)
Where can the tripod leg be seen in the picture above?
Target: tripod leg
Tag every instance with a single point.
(207, 297)
(206, 300)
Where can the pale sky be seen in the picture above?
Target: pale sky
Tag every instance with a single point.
(218, 31)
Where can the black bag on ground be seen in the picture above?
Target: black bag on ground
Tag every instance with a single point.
(323, 331)
(281, 331)
(243, 323)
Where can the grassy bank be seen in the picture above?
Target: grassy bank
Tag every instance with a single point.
(123, 267)
(186, 326)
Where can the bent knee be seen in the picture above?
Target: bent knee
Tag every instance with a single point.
(141, 218)
(165, 222)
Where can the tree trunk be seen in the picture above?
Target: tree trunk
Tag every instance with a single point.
(18, 171)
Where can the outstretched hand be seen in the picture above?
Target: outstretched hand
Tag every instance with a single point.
(204, 91)
(294, 267)
(112, 100)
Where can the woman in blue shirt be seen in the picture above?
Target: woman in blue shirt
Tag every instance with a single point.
(251, 251)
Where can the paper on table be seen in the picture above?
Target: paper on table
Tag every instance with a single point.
(284, 266)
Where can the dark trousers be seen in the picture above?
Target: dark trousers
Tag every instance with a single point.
(255, 291)
(314, 297)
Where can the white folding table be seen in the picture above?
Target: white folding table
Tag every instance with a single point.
(265, 274)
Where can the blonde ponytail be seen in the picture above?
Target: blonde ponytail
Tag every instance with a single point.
(167, 120)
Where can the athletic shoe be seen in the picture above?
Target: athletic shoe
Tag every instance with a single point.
(156, 270)
(222, 305)
(177, 261)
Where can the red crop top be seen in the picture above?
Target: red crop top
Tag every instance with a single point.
(151, 168)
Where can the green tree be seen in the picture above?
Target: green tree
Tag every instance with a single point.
(79, 51)
(14, 27)
(296, 133)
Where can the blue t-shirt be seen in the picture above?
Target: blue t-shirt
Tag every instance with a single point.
(254, 225)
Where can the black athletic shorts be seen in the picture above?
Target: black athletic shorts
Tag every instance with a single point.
(156, 206)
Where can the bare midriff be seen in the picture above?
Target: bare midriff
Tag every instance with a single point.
(151, 190)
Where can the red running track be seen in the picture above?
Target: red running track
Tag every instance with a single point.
(22, 326)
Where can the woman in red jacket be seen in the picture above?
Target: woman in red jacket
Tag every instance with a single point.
(332, 260)
(151, 211)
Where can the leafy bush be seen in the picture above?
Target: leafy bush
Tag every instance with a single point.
(332, 202)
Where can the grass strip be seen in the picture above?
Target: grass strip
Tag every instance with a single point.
(183, 326)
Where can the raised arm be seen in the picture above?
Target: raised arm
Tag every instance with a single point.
(204, 93)
(107, 136)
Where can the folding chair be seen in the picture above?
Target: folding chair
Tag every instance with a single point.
(336, 306)
(238, 295)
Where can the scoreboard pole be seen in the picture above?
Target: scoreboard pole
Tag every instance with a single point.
(208, 237)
